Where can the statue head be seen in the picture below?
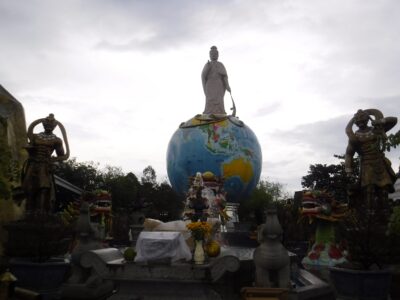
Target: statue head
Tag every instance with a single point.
(361, 118)
(214, 53)
(49, 123)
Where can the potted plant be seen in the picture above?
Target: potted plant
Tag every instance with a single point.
(366, 275)
(394, 236)
(369, 249)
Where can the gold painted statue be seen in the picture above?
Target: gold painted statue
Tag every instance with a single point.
(37, 178)
(376, 174)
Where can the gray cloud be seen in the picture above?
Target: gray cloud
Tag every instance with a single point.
(389, 105)
(325, 137)
(267, 109)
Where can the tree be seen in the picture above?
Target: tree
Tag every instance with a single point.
(127, 192)
(166, 205)
(149, 176)
(393, 140)
(265, 193)
(85, 175)
(331, 178)
(124, 191)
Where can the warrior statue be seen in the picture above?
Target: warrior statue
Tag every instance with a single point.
(37, 178)
(376, 174)
(215, 83)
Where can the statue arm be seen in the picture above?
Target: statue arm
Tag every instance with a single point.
(59, 148)
(31, 127)
(224, 75)
(204, 74)
(226, 83)
(389, 123)
(348, 158)
(350, 150)
(349, 129)
(61, 155)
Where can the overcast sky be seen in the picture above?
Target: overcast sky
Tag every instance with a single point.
(122, 75)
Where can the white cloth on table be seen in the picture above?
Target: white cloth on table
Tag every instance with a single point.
(153, 245)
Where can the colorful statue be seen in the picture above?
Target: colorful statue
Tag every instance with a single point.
(322, 208)
(37, 178)
(215, 82)
(206, 198)
(198, 181)
(376, 174)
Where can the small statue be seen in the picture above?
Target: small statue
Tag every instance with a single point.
(200, 206)
(198, 181)
(271, 256)
(376, 174)
(37, 177)
(215, 81)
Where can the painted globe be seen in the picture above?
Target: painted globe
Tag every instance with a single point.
(226, 147)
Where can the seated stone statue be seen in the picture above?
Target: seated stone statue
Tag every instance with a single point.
(271, 256)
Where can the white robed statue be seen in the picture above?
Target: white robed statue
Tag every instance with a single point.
(215, 82)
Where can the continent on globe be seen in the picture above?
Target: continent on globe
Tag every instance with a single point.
(238, 167)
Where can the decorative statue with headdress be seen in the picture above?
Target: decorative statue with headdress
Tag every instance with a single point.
(376, 174)
(37, 177)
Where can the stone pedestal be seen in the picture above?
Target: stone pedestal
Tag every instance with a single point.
(180, 280)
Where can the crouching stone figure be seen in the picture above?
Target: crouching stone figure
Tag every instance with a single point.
(271, 258)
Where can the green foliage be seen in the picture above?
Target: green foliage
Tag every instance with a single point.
(394, 223)
(253, 208)
(295, 227)
(393, 140)
(85, 175)
(149, 176)
(365, 232)
(124, 190)
(330, 178)
(166, 205)
(127, 192)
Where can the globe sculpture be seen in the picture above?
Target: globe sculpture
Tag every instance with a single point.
(215, 142)
(227, 148)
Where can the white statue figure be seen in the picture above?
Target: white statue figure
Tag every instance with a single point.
(198, 181)
(215, 81)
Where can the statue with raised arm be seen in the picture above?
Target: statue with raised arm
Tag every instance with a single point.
(215, 82)
(376, 174)
(37, 180)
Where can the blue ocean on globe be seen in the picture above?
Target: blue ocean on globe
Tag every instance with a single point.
(226, 147)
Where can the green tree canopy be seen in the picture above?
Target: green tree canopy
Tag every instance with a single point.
(85, 175)
(331, 178)
(124, 191)
(253, 208)
(127, 192)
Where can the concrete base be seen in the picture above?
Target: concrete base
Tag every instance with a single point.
(152, 290)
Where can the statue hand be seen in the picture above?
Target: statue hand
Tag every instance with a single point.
(378, 122)
(228, 88)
